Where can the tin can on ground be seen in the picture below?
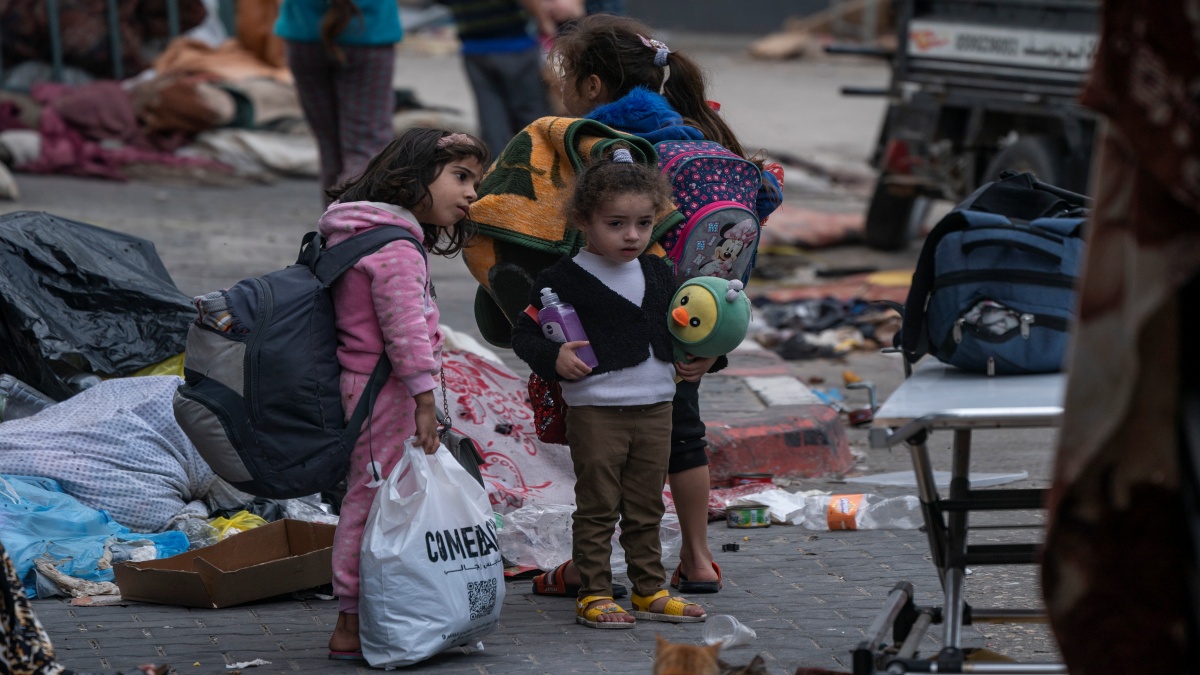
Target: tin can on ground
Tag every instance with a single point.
(748, 515)
(751, 478)
(860, 416)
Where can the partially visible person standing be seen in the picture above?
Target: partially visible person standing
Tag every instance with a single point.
(423, 182)
(1120, 571)
(619, 422)
(613, 74)
(342, 55)
(503, 63)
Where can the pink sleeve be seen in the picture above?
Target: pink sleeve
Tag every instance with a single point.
(398, 287)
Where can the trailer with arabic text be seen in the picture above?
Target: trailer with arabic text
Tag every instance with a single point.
(979, 86)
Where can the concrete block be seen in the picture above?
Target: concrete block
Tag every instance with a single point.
(792, 441)
(782, 390)
(747, 361)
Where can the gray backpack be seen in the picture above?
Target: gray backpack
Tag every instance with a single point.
(261, 399)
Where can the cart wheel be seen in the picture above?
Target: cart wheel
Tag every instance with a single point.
(1040, 155)
(892, 219)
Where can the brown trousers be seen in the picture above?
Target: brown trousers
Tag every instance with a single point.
(620, 456)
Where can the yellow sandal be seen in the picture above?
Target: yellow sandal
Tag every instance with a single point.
(672, 613)
(590, 616)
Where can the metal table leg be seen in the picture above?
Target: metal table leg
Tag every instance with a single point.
(908, 417)
(956, 542)
(935, 528)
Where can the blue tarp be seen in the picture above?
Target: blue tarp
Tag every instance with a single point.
(37, 517)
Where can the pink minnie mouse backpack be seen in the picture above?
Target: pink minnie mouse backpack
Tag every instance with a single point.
(715, 190)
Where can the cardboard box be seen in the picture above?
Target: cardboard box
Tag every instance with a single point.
(277, 558)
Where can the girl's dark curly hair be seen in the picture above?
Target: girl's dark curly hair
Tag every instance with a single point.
(401, 173)
(610, 47)
(605, 179)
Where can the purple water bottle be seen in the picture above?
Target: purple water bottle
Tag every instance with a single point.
(560, 323)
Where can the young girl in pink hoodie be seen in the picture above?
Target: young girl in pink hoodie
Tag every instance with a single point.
(425, 182)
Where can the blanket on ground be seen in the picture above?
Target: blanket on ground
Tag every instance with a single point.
(521, 212)
(524, 195)
(117, 447)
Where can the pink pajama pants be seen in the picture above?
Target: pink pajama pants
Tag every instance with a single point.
(390, 425)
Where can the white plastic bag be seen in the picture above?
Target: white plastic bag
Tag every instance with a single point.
(539, 535)
(431, 574)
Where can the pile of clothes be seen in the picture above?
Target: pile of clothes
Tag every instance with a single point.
(204, 106)
(175, 91)
(98, 128)
(830, 320)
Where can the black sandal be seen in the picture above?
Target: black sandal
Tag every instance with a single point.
(680, 582)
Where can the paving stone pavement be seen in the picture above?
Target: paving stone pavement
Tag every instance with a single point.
(809, 595)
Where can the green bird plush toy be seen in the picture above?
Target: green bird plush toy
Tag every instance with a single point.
(709, 316)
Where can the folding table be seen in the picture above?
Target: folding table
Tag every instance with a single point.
(939, 397)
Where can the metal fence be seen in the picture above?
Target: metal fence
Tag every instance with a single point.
(225, 11)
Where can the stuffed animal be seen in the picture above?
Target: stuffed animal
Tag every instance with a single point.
(709, 317)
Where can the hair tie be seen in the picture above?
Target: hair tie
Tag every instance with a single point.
(661, 52)
(622, 156)
(454, 139)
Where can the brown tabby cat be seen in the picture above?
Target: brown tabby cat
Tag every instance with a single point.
(676, 659)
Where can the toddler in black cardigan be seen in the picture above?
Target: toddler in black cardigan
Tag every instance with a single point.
(619, 421)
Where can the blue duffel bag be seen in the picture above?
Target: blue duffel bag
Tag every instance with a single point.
(994, 287)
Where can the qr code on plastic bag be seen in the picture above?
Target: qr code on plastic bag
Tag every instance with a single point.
(482, 596)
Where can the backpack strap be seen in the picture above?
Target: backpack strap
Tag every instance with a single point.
(1021, 196)
(914, 337)
(1065, 227)
(331, 263)
(1073, 198)
(366, 404)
